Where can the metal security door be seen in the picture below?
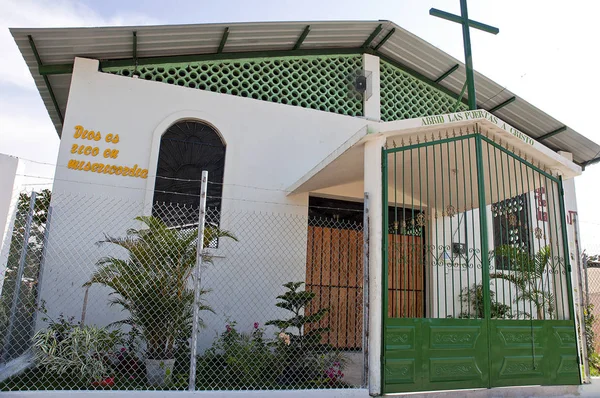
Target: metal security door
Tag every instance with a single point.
(494, 309)
(531, 317)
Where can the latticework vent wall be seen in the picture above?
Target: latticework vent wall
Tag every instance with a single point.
(317, 82)
(404, 96)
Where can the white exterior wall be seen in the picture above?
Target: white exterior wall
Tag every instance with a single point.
(445, 283)
(268, 146)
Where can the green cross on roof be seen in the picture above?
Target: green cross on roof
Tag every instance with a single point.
(464, 20)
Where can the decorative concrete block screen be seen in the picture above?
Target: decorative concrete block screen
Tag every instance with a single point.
(404, 96)
(316, 82)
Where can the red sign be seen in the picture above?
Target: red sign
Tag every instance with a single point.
(541, 204)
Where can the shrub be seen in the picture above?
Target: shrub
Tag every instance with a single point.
(473, 298)
(153, 283)
(74, 350)
(589, 319)
(301, 357)
(237, 361)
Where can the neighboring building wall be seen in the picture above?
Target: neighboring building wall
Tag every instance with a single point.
(269, 146)
(9, 186)
(8, 171)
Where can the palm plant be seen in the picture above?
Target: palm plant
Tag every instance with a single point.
(153, 282)
(530, 276)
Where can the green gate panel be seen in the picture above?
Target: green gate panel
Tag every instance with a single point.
(434, 354)
(528, 352)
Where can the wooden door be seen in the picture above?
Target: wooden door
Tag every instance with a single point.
(405, 276)
(334, 272)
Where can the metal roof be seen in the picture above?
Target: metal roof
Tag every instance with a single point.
(57, 48)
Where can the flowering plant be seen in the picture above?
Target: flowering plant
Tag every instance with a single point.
(298, 351)
(285, 338)
(237, 360)
(334, 372)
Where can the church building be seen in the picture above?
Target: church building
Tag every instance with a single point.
(467, 267)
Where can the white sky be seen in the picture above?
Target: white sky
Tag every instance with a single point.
(546, 52)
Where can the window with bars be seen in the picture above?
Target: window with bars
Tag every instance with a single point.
(186, 149)
(511, 226)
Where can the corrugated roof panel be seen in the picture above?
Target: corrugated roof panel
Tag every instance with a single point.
(456, 80)
(62, 45)
(529, 118)
(405, 48)
(486, 89)
(583, 149)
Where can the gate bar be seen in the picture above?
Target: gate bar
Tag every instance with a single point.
(384, 259)
(430, 143)
(525, 162)
(485, 266)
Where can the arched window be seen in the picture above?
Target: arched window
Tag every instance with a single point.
(186, 149)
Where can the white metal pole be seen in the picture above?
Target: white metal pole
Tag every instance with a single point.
(196, 279)
(17, 292)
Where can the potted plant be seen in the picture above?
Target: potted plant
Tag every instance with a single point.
(153, 285)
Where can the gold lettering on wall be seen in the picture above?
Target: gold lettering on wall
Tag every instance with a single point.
(108, 153)
(112, 169)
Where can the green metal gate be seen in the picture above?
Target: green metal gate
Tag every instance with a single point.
(476, 271)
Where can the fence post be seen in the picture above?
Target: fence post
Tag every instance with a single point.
(365, 337)
(196, 279)
(582, 303)
(17, 291)
(38, 294)
(587, 282)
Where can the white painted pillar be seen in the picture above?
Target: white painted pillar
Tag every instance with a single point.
(570, 200)
(373, 186)
(371, 101)
(574, 243)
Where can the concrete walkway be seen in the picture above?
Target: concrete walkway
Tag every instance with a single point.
(587, 390)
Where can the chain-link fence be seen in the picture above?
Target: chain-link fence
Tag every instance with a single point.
(98, 293)
(591, 285)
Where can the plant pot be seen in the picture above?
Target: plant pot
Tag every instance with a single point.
(159, 371)
(106, 382)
